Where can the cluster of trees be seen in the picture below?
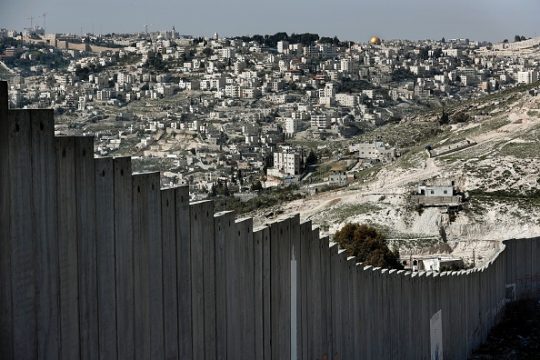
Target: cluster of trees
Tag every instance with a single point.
(53, 60)
(349, 85)
(82, 73)
(220, 189)
(155, 62)
(8, 42)
(208, 52)
(518, 38)
(368, 245)
(459, 117)
(305, 39)
(311, 158)
(424, 53)
(401, 74)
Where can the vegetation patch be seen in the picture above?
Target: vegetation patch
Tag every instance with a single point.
(368, 245)
(348, 211)
(527, 197)
(265, 199)
(521, 150)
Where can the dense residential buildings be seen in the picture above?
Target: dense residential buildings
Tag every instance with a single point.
(222, 105)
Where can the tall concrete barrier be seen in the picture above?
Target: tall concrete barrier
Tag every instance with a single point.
(98, 263)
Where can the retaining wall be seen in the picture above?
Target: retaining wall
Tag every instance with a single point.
(97, 263)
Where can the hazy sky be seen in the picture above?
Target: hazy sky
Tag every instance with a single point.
(355, 20)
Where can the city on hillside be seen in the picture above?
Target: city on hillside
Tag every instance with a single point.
(275, 124)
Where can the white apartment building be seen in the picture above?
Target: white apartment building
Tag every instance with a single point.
(326, 101)
(61, 79)
(376, 150)
(329, 90)
(282, 46)
(232, 90)
(527, 77)
(348, 100)
(287, 162)
(319, 121)
(291, 126)
(125, 78)
(346, 65)
(327, 50)
(226, 53)
(250, 93)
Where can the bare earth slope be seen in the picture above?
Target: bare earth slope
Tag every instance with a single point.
(501, 174)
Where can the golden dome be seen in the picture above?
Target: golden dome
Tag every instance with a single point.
(375, 40)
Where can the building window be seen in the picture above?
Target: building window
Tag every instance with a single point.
(432, 192)
(445, 192)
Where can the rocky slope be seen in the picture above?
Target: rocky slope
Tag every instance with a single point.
(500, 175)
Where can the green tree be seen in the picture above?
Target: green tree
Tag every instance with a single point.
(239, 177)
(424, 53)
(311, 159)
(437, 53)
(208, 52)
(256, 186)
(461, 117)
(444, 119)
(368, 245)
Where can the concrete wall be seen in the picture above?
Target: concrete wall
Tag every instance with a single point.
(98, 263)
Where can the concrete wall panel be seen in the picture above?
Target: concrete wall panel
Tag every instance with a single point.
(170, 292)
(106, 258)
(123, 237)
(67, 248)
(45, 232)
(6, 318)
(223, 232)
(23, 264)
(86, 237)
(183, 256)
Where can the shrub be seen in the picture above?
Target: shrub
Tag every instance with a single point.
(368, 245)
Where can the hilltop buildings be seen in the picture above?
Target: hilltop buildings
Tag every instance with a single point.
(219, 105)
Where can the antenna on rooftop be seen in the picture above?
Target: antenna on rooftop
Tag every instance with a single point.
(31, 18)
(44, 16)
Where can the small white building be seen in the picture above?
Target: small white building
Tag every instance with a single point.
(443, 188)
(377, 150)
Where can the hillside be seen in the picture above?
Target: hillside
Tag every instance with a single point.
(500, 174)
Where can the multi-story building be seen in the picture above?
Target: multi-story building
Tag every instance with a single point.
(527, 77)
(291, 126)
(282, 46)
(232, 90)
(250, 93)
(287, 162)
(348, 100)
(376, 150)
(319, 121)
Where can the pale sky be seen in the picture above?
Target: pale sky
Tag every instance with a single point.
(355, 20)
